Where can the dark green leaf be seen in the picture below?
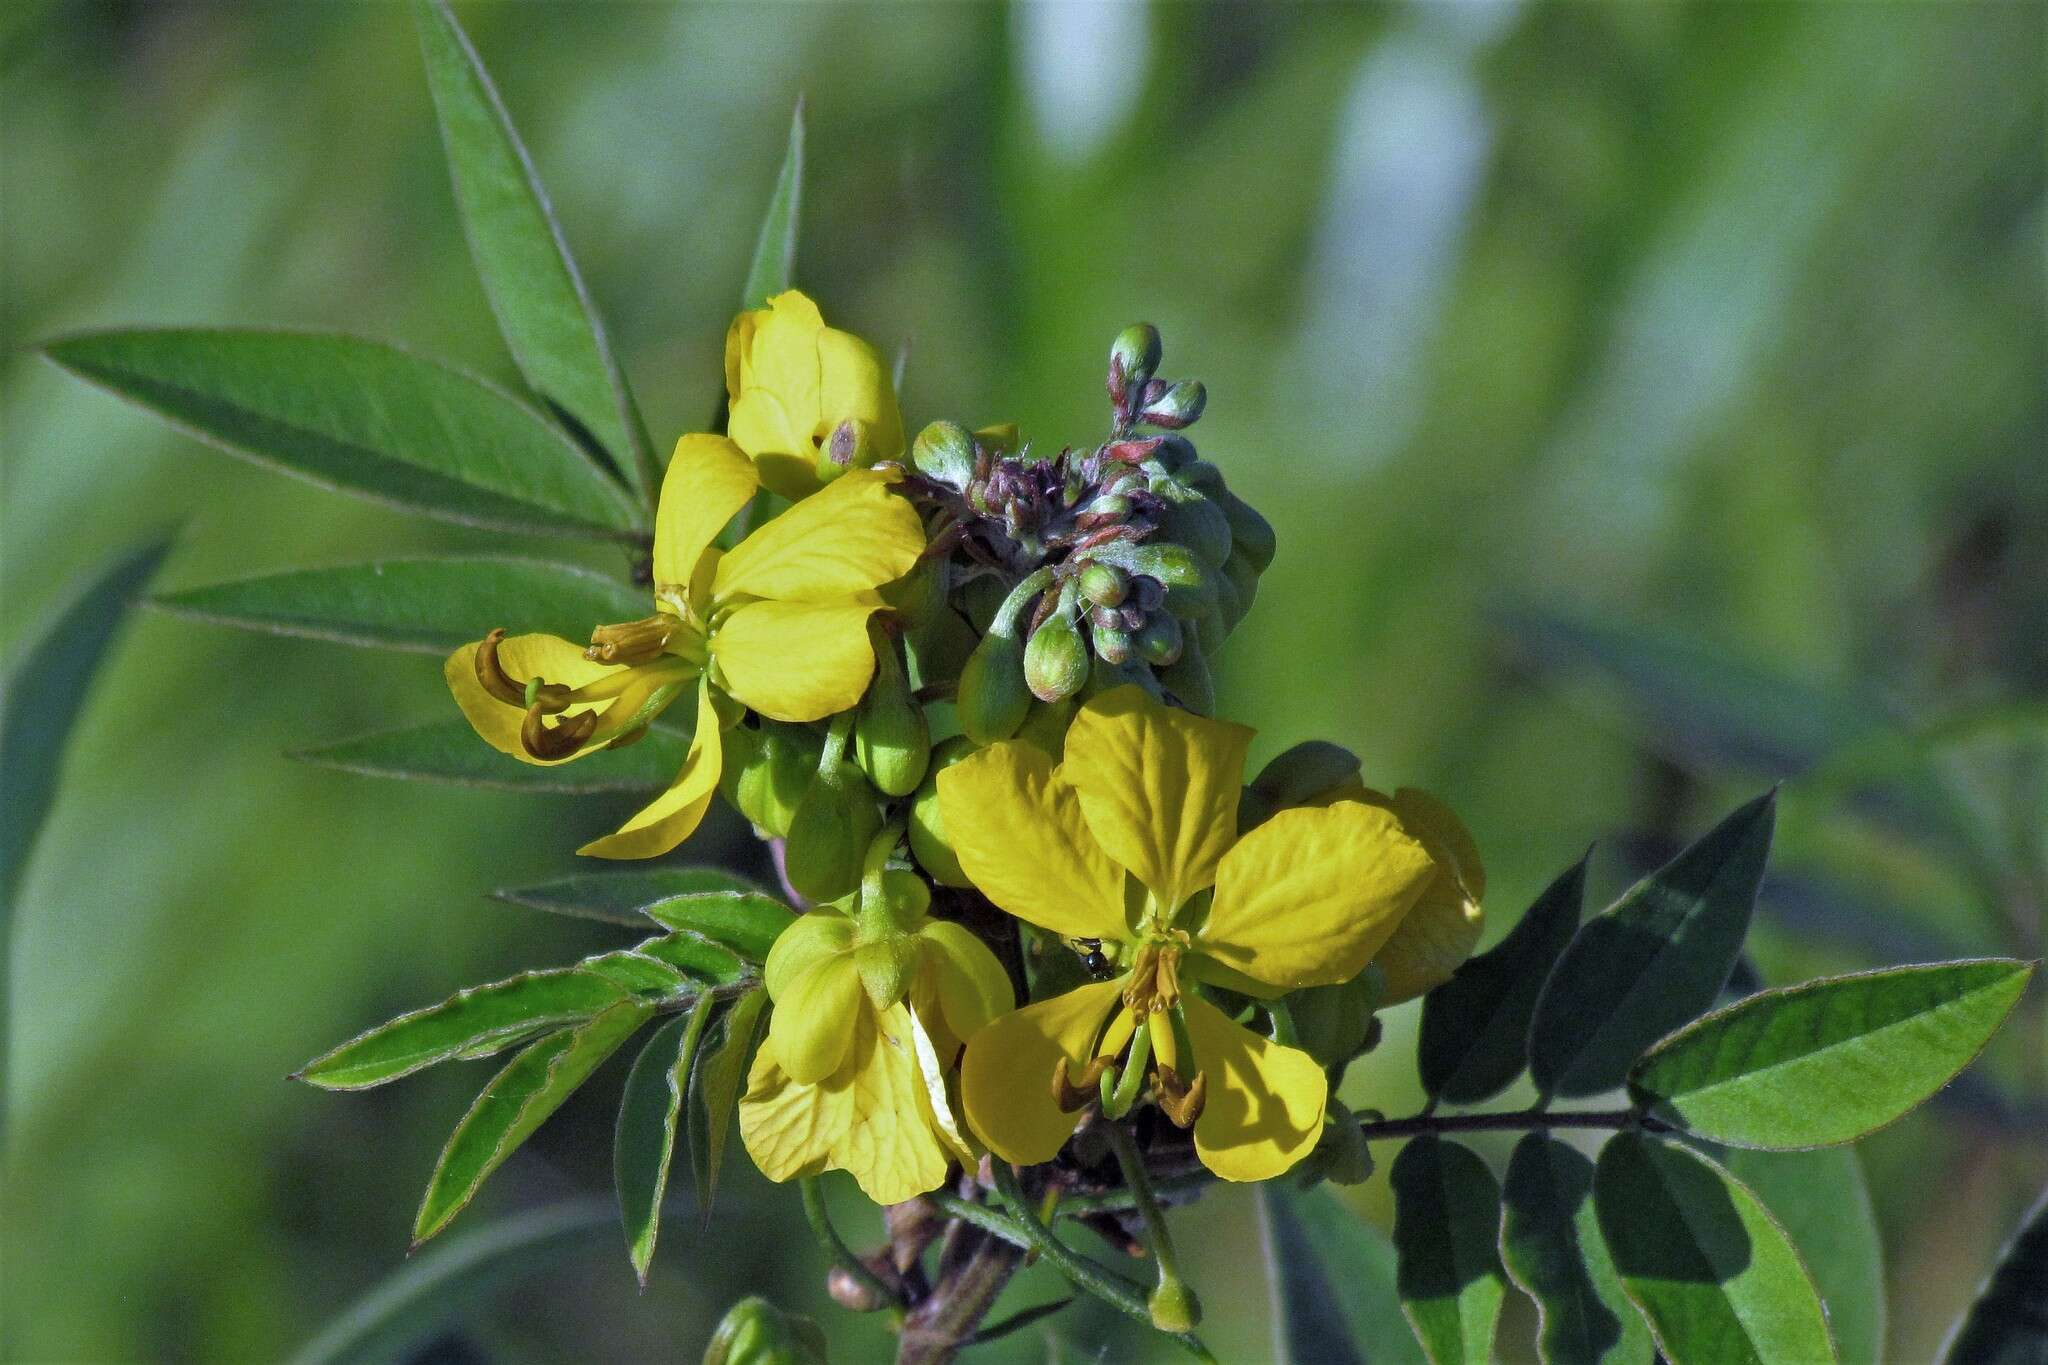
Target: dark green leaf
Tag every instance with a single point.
(1829, 1060)
(645, 1141)
(748, 922)
(544, 312)
(699, 959)
(1312, 1326)
(449, 751)
(1710, 1269)
(774, 264)
(1358, 1263)
(1475, 1027)
(420, 1298)
(516, 1102)
(361, 417)
(1652, 961)
(1551, 1245)
(638, 974)
(714, 1091)
(473, 1022)
(2008, 1324)
(620, 897)
(1821, 1202)
(427, 605)
(1446, 1229)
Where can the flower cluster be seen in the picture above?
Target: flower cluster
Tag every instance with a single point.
(965, 667)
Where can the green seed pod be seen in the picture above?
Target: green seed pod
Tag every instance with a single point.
(944, 453)
(767, 770)
(1105, 585)
(1178, 407)
(756, 1332)
(1133, 357)
(927, 828)
(1159, 642)
(1188, 679)
(891, 741)
(829, 834)
(1056, 659)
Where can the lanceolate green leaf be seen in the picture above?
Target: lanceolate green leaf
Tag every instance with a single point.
(704, 961)
(517, 1101)
(1830, 1060)
(620, 897)
(480, 1017)
(544, 312)
(426, 605)
(2008, 1324)
(1710, 1269)
(1551, 1245)
(1822, 1203)
(1310, 1325)
(774, 264)
(638, 974)
(747, 922)
(449, 751)
(361, 417)
(1446, 1225)
(1475, 1027)
(1654, 960)
(714, 1091)
(644, 1144)
(1359, 1264)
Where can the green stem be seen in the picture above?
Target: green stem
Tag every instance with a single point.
(1133, 1165)
(842, 1255)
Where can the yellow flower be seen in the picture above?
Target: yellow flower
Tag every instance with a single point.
(807, 401)
(1131, 841)
(778, 625)
(856, 1073)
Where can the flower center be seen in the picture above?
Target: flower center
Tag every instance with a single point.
(1155, 974)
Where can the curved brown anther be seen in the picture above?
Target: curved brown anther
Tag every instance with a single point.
(491, 675)
(555, 741)
(1073, 1096)
(1181, 1100)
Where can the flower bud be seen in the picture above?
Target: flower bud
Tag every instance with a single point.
(993, 695)
(829, 833)
(944, 453)
(1056, 659)
(756, 1332)
(1114, 644)
(1183, 580)
(1000, 439)
(926, 827)
(1133, 356)
(767, 770)
(1174, 1307)
(1159, 642)
(1188, 679)
(887, 965)
(1194, 521)
(891, 741)
(1178, 407)
(1104, 584)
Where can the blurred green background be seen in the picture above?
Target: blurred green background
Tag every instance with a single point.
(1650, 399)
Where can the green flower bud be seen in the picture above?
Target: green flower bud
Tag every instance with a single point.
(993, 694)
(767, 770)
(1133, 356)
(1192, 520)
(1105, 584)
(1113, 644)
(829, 834)
(891, 741)
(1188, 679)
(886, 966)
(1174, 1307)
(1178, 407)
(1046, 725)
(1159, 642)
(756, 1332)
(926, 827)
(1056, 659)
(936, 648)
(1183, 578)
(1253, 533)
(944, 453)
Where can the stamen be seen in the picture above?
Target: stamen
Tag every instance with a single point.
(557, 741)
(632, 642)
(1155, 978)
(1072, 1097)
(1180, 1100)
(492, 677)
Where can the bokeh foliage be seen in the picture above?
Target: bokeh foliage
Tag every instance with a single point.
(1622, 380)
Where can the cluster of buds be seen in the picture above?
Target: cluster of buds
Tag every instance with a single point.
(1128, 561)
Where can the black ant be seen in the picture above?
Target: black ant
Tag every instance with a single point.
(1092, 958)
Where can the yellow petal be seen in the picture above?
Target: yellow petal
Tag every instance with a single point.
(1006, 1076)
(709, 479)
(1443, 926)
(779, 443)
(522, 657)
(673, 816)
(1160, 788)
(1308, 897)
(1264, 1109)
(814, 1017)
(935, 1054)
(968, 982)
(797, 660)
(810, 936)
(1018, 833)
(789, 1128)
(853, 382)
(852, 537)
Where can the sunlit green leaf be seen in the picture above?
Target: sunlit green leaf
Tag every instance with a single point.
(544, 311)
(714, 1091)
(1551, 1246)
(1698, 1254)
(449, 751)
(427, 605)
(1652, 961)
(481, 1017)
(620, 897)
(1447, 1215)
(1475, 1027)
(698, 958)
(748, 922)
(637, 973)
(1822, 1203)
(2008, 1324)
(361, 417)
(774, 265)
(644, 1143)
(516, 1102)
(1829, 1060)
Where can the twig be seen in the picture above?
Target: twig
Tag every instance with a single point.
(842, 1255)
